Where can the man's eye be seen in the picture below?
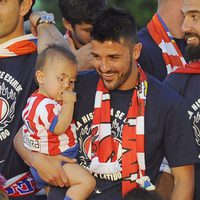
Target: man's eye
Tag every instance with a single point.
(114, 57)
(195, 17)
(96, 57)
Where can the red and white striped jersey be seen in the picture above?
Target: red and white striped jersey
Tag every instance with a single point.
(40, 117)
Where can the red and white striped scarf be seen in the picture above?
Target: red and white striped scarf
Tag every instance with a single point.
(170, 51)
(190, 68)
(104, 159)
(18, 46)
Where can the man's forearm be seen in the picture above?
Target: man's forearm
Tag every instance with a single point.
(183, 183)
(48, 34)
(25, 154)
(182, 192)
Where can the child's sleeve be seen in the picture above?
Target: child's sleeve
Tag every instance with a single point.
(48, 115)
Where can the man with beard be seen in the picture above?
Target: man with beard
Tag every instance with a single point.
(186, 80)
(126, 120)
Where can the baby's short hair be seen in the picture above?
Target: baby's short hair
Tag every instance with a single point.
(50, 52)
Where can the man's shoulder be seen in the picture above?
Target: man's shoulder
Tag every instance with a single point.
(161, 93)
(143, 32)
(144, 36)
(88, 76)
(86, 80)
(176, 81)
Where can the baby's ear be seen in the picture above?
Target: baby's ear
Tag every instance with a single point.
(39, 76)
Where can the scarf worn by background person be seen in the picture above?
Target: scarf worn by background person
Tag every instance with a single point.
(170, 51)
(22, 184)
(191, 68)
(18, 46)
(104, 160)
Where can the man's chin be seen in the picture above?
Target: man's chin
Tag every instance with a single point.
(193, 52)
(109, 86)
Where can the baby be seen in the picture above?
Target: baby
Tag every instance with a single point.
(48, 125)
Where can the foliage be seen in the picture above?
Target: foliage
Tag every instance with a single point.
(142, 10)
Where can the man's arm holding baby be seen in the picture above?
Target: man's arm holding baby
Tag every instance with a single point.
(49, 167)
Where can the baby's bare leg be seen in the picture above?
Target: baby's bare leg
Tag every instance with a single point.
(82, 183)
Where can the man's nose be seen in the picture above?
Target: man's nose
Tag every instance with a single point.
(104, 66)
(186, 26)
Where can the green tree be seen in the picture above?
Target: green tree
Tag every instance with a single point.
(142, 10)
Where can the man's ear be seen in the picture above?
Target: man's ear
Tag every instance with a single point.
(39, 75)
(137, 50)
(25, 6)
(67, 25)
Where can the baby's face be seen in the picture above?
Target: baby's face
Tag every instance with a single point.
(58, 77)
(66, 83)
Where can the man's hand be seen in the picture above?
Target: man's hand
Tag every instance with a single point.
(47, 33)
(50, 168)
(34, 18)
(83, 56)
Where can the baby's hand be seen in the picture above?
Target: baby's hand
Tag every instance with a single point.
(69, 96)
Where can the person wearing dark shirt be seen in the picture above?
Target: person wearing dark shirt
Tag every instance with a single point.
(186, 80)
(17, 58)
(163, 41)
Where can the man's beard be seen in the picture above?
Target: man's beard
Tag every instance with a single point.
(193, 51)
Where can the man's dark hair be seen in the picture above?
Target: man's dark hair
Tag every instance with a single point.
(141, 194)
(26, 17)
(51, 52)
(81, 11)
(114, 24)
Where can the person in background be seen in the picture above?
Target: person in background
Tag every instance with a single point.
(117, 97)
(18, 53)
(163, 40)
(186, 80)
(78, 17)
(163, 51)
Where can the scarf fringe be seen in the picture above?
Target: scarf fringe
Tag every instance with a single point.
(145, 182)
(104, 168)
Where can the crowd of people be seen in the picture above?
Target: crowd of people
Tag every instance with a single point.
(107, 131)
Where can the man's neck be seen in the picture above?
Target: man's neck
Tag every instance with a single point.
(5, 39)
(174, 26)
(19, 31)
(77, 44)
